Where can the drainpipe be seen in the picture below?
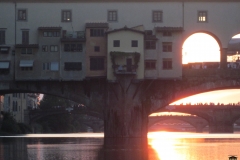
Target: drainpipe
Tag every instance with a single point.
(15, 37)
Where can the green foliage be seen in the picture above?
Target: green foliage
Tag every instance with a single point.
(49, 101)
(9, 125)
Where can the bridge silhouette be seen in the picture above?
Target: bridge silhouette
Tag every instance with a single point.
(96, 123)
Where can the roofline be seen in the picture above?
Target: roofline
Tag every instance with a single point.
(125, 29)
(102, 1)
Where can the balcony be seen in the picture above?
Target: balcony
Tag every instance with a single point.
(122, 62)
(73, 36)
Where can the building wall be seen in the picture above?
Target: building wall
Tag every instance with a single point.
(125, 37)
(222, 23)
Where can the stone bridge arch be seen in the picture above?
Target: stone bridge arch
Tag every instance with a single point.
(198, 123)
(170, 91)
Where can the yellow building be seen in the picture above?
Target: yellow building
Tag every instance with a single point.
(125, 53)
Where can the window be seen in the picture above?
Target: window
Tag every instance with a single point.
(150, 44)
(167, 63)
(96, 32)
(51, 34)
(44, 48)
(167, 34)
(73, 47)
(4, 49)
(46, 66)
(4, 67)
(25, 37)
(112, 16)
(72, 66)
(150, 65)
(54, 48)
(26, 51)
(2, 37)
(157, 16)
(66, 16)
(116, 43)
(134, 43)
(96, 48)
(97, 63)
(22, 14)
(53, 66)
(167, 46)
(202, 16)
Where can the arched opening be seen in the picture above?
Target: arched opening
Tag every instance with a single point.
(233, 58)
(200, 48)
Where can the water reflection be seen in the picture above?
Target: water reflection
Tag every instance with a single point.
(162, 146)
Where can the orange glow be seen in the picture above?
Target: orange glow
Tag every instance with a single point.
(200, 47)
(221, 96)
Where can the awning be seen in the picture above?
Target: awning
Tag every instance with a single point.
(4, 49)
(4, 65)
(26, 63)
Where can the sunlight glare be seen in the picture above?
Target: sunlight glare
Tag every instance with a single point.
(200, 47)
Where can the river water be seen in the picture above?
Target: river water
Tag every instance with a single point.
(88, 146)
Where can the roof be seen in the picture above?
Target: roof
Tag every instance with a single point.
(172, 29)
(125, 29)
(49, 28)
(97, 25)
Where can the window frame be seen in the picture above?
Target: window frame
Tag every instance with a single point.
(44, 48)
(201, 14)
(25, 36)
(97, 32)
(78, 47)
(55, 47)
(112, 15)
(167, 47)
(149, 44)
(22, 18)
(96, 48)
(26, 51)
(134, 43)
(167, 34)
(167, 64)
(68, 17)
(157, 16)
(150, 64)
(2, 37)
(97, 63)
(116, 43)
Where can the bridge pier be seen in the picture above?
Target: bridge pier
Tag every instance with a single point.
(126, 122)
(221, 127)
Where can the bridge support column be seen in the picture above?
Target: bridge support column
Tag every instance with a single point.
(223, 60)
(126, 121)
(221, 127)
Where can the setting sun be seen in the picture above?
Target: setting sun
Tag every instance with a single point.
(200, 47)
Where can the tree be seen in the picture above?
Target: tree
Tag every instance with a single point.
(49, 101)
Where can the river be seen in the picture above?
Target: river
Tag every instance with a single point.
(88, 146)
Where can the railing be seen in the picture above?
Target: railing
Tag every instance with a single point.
(125, 69)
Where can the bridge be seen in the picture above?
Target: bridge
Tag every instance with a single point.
(95, 124)
(220, 118)
(198, 123)
(83, 66)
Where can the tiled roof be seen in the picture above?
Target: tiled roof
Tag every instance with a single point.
(173, 29)
(49, 28)
(97, 25)
(125, 29)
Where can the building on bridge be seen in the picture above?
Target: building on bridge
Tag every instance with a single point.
(51, 41)
(17, 103)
